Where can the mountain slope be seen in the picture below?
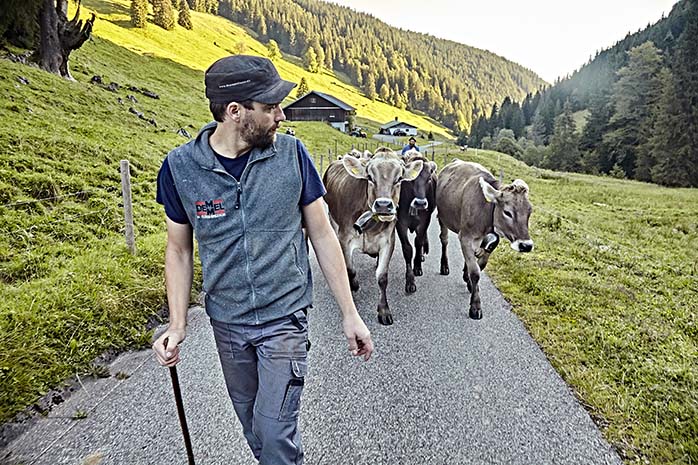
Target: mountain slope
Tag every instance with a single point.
(447, 80)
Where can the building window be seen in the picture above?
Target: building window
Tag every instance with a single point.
(313, 100)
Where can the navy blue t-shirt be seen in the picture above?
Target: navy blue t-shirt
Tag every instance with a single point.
(167, 194)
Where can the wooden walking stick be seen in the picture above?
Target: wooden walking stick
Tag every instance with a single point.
(180, 412)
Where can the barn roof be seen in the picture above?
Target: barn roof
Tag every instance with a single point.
(395, 122)
(329, 98)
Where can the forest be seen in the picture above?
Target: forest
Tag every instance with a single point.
(638, 101)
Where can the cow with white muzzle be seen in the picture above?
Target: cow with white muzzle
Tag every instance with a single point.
(355, 188)
(471, 203)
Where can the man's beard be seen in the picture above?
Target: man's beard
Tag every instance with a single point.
(256, 136)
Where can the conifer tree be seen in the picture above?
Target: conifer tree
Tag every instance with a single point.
(670, 144)
(633, 99)
(184, 18)
(564, 144)
(273, 51)
(370, 86)
(302, 88)
(139, 13)
(310, 60)
(163, 15)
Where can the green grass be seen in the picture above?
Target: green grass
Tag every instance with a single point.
(609, 292)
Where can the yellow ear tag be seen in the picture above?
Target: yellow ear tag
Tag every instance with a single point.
(355, 170)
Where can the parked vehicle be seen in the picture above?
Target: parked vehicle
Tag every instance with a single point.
(357, 132)
(399, 132)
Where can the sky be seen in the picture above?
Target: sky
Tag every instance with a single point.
(550, 37)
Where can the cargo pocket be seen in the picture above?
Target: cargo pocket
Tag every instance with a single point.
(291, 405)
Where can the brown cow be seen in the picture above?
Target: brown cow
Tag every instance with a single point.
(355, 186)
(472, 204)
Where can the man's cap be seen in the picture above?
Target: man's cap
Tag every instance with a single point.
(412, 138)
(243, 77)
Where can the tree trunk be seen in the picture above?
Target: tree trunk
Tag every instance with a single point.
(59, 36)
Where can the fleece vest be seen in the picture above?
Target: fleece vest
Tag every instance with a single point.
(253, 254)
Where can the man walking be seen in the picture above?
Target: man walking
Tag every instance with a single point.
(411, 145)
(245, 192)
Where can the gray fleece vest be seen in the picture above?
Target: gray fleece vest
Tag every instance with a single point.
(253, 254)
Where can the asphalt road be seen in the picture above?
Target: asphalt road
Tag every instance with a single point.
(440, 389)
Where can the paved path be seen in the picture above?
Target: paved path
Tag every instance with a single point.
(441, 389)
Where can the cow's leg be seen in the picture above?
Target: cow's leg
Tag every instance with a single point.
(420, 239)
(384, 316)
(443, 236)
(410, 286)
(471, 273)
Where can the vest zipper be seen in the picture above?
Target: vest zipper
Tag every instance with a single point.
(237, 201)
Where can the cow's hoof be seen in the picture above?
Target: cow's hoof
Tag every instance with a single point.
(418, 272)
(444, 270)
(475, 314)
(410, 288)
(386, 319)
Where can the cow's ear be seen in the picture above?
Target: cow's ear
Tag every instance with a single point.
(491, 194)
(432, 167)
(367, 155)
(354, 167)
(412, 170)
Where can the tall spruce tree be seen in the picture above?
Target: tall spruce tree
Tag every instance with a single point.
(139, 13)
(564, 144)
(310, 60)
(634, 99)
(163, 15)
(685, 71)
(184, 18)
(273, 51)
(302, 88)
(670, 143)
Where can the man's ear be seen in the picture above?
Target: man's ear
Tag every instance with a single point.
(232, 111)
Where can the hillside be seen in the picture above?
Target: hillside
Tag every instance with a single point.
(451, 82)
(639, 100)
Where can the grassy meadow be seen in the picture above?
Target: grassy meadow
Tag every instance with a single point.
(610, 294)
(609, 291)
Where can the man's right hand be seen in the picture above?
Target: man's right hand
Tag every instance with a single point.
(166, 347)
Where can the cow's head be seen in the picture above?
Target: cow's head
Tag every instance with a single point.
(384, 174)
(422, 183)
(511, 213)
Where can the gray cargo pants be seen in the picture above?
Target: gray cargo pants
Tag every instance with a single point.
(264, 368)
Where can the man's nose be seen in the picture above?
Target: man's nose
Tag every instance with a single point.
(280, 116)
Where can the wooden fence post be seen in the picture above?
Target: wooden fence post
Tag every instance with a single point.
(322, 161)
(128, 205)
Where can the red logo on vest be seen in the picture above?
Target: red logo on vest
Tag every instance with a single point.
(210, 209)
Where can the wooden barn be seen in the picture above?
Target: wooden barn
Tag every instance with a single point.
(316, 106)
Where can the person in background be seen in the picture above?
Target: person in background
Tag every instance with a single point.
(246, 192)
(411, 144)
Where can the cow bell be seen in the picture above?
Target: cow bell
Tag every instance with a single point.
(489, 242)
(365, 222)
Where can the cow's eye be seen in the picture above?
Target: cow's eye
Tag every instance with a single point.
(398, 181)
(508, 214)
(369, 178)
